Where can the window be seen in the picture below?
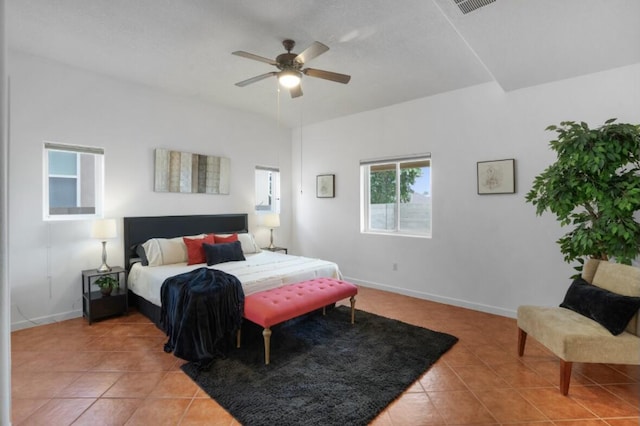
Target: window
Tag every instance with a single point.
(73, 182)
(396, 196)
(267, 190)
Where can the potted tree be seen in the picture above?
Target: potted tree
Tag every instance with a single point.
(594, 186)
(107, 283)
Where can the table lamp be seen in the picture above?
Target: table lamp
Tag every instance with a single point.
(271, 221)
(102, 230)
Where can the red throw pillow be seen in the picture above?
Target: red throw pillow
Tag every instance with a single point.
(195, 252)
(228, 239)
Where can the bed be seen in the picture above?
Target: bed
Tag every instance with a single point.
(262, 269)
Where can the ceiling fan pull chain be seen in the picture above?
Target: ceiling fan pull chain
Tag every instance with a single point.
(301, 149)
(278, 103)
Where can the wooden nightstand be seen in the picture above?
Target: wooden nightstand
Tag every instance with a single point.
(284, 249)
(94, 304)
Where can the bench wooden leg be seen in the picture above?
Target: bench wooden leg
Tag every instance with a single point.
(522, 340)
(565, 376)
(353, 309)
(238, 339)
(267, 344)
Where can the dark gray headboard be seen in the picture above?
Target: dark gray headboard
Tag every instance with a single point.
(137, 230)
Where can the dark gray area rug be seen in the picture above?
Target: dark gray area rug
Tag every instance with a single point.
(323, 369)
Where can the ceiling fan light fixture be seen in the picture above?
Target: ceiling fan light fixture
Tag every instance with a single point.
(290, 66)
(289, 78)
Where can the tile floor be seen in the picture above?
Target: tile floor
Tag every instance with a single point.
(114, 372)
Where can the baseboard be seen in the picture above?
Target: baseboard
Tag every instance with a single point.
(47, 319)
(436, 298)
(50, 319)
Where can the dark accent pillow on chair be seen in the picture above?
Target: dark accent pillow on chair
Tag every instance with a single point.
(613, 311)
(225, 252)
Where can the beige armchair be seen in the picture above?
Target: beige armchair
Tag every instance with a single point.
(574, 337)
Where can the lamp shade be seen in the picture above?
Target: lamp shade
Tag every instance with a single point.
(104, 229)
(271, 220)
(289, 78)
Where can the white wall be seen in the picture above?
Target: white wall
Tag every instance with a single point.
(54, 102)
(490, 252)
(5, 295)
(487, 252)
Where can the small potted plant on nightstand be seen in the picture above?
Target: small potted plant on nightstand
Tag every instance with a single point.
(107, 283)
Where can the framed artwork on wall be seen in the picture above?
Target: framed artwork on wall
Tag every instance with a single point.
(496, 177)
(177, 171)
(325, 186)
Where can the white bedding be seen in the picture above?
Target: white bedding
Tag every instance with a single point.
(261, 271)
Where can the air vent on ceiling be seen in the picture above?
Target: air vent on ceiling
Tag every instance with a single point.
(467, 6)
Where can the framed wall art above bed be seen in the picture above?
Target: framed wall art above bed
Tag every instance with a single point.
(185, 172)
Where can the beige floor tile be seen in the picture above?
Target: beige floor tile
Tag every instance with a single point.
(108, 412)
(59, 412)
(441, 377)
(175, 385)
(414, 409)
(89, 385)
(507, 406)
(206, 412)
(159, 412)
(478, 377)
(23, 408)
(134, 385)
(603, 404)
(555, 405)
(58, 371)
(627, 392)
(461, 407)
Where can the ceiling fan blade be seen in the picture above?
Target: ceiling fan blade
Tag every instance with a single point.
(327, 75)
(296, 91)
(254, 57)
(255, 79)
(316, 49)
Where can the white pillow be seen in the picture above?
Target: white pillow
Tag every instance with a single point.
(152, 251)
(174, 250)
(248, 243)
(166, 251)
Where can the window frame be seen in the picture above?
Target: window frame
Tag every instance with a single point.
(273, 192)
(365, 195)
(97, 187)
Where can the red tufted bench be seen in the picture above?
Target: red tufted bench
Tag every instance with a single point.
(270, 307)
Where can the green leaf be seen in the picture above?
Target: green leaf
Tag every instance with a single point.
(594, 186)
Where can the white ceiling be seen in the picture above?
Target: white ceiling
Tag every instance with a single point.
(395, 51)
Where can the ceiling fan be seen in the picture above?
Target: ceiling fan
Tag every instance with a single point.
(291, 67)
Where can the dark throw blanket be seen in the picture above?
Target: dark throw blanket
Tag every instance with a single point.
(201, 313)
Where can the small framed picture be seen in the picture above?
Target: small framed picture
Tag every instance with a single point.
(325, 186)
(496, 177)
